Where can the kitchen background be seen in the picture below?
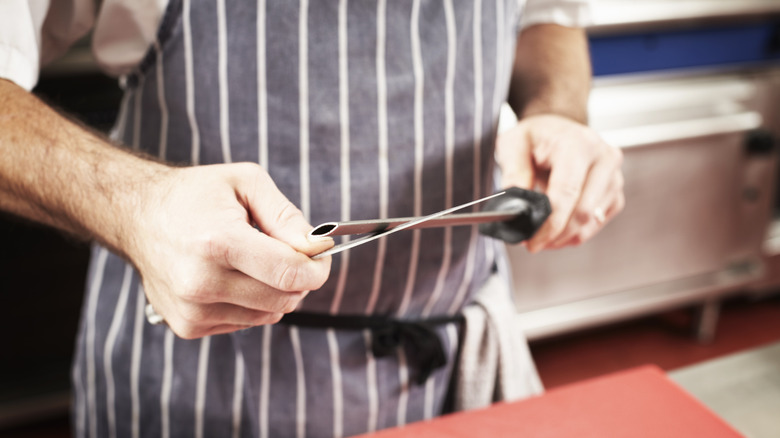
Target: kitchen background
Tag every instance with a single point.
(689, 89)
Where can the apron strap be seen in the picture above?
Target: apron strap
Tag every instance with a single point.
(424, 348)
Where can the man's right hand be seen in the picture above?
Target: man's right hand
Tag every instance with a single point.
(219, 249)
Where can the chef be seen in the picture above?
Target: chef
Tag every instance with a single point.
(242, 123)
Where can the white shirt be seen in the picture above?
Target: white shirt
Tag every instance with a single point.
(35, 32)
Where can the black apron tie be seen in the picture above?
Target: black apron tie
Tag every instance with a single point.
(424, 349)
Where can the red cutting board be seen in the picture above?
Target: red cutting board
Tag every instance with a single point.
(637, 403)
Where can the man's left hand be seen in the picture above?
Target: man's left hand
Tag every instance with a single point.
(578, 171)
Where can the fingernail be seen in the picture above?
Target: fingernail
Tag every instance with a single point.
(318, 239)
(537, 246)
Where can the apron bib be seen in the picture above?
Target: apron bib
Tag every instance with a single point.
(357, 109)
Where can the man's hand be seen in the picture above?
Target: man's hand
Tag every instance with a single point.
(219, 248)
(578, 171)
(206, 269)
(551, 147)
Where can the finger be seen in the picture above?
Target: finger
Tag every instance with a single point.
(278, 217)
(614, 202)
(514, 153)
(601, 187)
(227, 328)
(218, 329)
(237, 288)
(196, 320)
(600, 191)
(567, 178)
(269, 260)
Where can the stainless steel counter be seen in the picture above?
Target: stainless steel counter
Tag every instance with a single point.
(698, 204)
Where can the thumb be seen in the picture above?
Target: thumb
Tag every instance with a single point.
(279, 218)
(515, 158)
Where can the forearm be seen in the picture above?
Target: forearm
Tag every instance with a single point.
(56, 172)
(551, 73)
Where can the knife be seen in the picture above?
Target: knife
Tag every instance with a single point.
(512, 215)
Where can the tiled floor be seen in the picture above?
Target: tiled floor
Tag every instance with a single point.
(664, 340)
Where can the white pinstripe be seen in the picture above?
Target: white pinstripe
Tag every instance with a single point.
(167, 381)
(167, 385)
(346, 207)
(224, 107)
(138, 93)
(262, 92)
(449, 133)
(303, 104)
(265, 381)
(113, 332)
(403, 379)
(497, 98)
(163, 141)
(381, 82)
(238, 394)
(120, 129)
(94, 293)
(452, 337)
(300, 384)
(78, 394)
(335, 373)
(333, 347)
(376, 284)
(135, 362)
(430, 394)
(371, 385)
(419, 138)
(200, 388)
(468, 274)
(189, 83)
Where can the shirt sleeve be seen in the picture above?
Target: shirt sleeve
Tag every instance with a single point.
(20, 27)
(569, 13)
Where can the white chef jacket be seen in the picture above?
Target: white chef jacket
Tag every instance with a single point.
(35, 32)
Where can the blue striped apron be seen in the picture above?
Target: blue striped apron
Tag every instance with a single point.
(357, 109)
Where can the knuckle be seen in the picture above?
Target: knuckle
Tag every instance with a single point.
(287, 276)
(617, 155)
(290, 303)
(185, 330)
(286, 302)
(248, 167)
(557, 225)
(191, 290)
(287, 213)
(620, 203)
(568, 190)
(272, 318)
(583, 214)
(320, 278)
(264, 318)
(191, 314)
(620, 182)
(216, 247)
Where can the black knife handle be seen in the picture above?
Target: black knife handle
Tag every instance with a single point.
(534, 210)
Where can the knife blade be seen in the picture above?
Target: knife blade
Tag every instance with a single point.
(414, 222)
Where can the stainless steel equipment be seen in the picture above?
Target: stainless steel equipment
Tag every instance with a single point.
(700, 179)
